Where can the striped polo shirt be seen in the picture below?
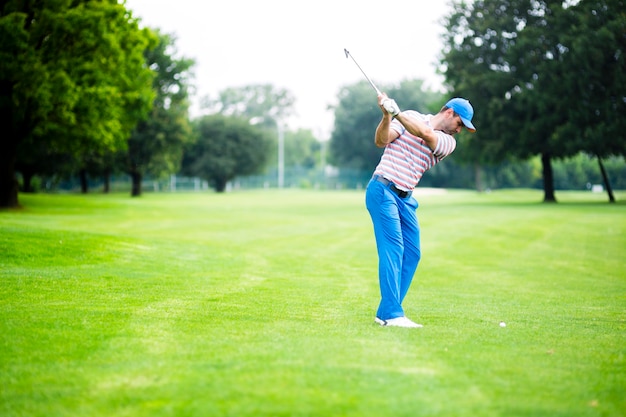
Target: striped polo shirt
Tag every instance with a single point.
(405, 160)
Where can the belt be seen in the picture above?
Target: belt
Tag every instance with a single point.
(400, 193)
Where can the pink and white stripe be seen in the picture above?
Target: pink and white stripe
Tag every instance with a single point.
(407, 158)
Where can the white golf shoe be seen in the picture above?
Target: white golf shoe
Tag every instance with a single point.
(398, 322)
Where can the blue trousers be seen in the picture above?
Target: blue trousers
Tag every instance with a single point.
(398, 244)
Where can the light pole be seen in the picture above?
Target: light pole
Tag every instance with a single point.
(281, 156)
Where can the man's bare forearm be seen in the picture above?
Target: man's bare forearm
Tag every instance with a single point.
(419, 129)
(381, 139)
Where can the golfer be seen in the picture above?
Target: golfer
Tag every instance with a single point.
(413, 143)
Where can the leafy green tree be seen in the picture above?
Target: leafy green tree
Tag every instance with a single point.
(262, 104)
(302, 149)
(413, 94)
(357, 114)
(72, 77)
(39, 162)
(528, 67)
(593, 73)
(477, 65)
(356, 117)
(156, 145)
(225, 147)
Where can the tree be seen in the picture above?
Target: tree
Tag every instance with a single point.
(259, 103)
(263, 105)
(516, 60)
(413, 94)
(225, 147)
(301, 149)
(72, 77)
(593, 72)
(357, 115)
(156, 145)
(478, 64)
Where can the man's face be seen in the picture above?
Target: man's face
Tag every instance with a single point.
(452, 123)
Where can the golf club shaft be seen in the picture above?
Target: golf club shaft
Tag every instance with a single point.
(348, 54)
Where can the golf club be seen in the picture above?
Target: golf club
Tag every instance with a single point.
(357, 64)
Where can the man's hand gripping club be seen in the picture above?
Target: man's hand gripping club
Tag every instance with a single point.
(389, 105)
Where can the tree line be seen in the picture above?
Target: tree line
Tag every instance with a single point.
(85, 90)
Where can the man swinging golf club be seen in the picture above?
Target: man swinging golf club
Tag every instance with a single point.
(413, 143)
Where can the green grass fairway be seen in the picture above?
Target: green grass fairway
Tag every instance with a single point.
(262, 303)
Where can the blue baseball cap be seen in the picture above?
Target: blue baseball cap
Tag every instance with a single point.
(465, 110)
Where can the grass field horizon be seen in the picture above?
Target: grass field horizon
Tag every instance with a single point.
(261, 303)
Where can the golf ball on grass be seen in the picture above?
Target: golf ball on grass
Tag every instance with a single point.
(502, 324)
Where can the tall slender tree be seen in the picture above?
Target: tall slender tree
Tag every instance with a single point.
(156, 145)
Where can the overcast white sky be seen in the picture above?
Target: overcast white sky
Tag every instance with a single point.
(299, 46)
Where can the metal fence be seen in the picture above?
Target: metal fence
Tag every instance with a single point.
(324, 179)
